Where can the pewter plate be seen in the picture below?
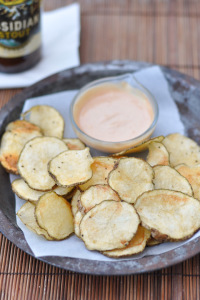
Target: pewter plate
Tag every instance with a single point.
(185, 92)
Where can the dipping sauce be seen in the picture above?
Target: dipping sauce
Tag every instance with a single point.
(113, 112)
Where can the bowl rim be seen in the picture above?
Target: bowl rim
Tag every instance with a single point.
(149, 95)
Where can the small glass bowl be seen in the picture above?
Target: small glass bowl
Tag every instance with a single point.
(113, 147)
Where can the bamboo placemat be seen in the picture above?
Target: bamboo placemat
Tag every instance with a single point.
(165, 32)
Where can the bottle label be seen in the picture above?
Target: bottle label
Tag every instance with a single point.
(19, 27)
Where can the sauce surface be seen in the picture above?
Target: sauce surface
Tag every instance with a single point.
(113, 112)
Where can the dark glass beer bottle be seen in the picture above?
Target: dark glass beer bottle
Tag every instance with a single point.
(20, 35)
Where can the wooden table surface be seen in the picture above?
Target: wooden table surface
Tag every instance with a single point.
(165, 32)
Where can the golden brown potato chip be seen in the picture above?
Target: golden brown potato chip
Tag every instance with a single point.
(192, 174)
(109, 225)
(74, 144)
(13, 142)
(182, 150)
(53, 213)
(139, 148)
(168, 214)
(130, 178)
(101, 167)
(169, 179)
(71, 167)
(34, 158)
(23, 191)
(158, 154)
(136, 245)
(27, 216)
(96, 194)
(47, 118)
(74, 203)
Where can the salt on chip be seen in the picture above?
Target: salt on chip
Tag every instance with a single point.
(101, 167)
(139, 148)
(53, 213)
(13, 141)
(169, 179)
(33, 160)
(192, 174)
(182, 150)
(23, 191)
(27, 215)
(97, 194)
(130, 178)
(136, 245)
(71, 167)
(170, 215)
(74, 144)
(158, 154)
(109, 225)
(47, 118)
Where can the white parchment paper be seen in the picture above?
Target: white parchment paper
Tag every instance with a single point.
(169, 122)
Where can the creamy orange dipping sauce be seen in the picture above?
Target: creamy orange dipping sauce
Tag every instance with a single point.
(113, 112)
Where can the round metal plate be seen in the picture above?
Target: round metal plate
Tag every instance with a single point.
(185, 92)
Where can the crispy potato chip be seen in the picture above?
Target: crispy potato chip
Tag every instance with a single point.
(101, 167)
(27, 216)
(53, 213)
(77, 221)
(23, 191)
(33, 160)
(72, 167)
(182, 150)
(109, 225)
(13, 142)
(96, 194)
(139, 148)
(47, 118)
(152, 242)
(136, 245)
(74, 203)
(168, 214)
(192, 174)
(169, 179)
(130, 178)
(74, 144)
(158, 154)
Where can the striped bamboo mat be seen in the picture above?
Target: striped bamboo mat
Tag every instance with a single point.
(165, 32)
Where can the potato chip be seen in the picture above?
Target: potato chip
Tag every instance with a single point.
(74, 144)
(23, 191)
(182, 150)
(71, 167)
(32, 164)
(101, 167)
(130, 178)
(74, 203)
(168, 214)
(139, 148)
(192, 174)
(13, 142)
(47, 118)
(169, 179)
(158, 154)
(27, 216)
(109, 225)
(53, 213)
(77, 221)
(96, 194)
(136, 245)
(152, 242)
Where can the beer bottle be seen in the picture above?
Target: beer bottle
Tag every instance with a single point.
(20, 35)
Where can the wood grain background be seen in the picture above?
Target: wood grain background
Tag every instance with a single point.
(165, 32)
